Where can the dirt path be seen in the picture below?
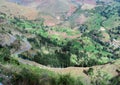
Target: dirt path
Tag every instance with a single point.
(78, 71)
(75, 71)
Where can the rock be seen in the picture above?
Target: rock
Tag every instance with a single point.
(20, 46)
(6, 39)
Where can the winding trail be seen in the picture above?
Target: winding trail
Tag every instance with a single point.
(75, 71)
(78, 71)
(72, 70)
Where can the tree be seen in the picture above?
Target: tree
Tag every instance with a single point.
(4, 54)
(83, 28)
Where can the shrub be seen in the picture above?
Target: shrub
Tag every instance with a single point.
(35, 76)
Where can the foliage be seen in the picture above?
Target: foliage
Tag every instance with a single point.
(112, 22)
(4, 54)
(30, 75)
(115, 80)
(94, 21)
(90, 48)
(101, 78)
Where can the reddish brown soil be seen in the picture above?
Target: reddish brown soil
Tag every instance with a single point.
(81, 19)
(49, 20)
(12, 9)
(63, 34)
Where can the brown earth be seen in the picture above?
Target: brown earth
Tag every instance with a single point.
(81, 19)
(52, 11)
(49, 20)
(79, 71)
(14, 10)
(63, 34)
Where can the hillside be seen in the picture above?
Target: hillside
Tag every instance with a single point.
(55, 12)
(59, 42)
(14, 10)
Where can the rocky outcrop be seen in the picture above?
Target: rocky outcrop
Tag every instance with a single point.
(17, 46)
(6, 39)
(22, 47)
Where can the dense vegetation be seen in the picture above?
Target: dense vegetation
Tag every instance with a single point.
(96, 42)
(92, 45)
(63, 47)
(20, 74)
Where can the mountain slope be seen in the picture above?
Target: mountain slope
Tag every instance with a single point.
(14, 10)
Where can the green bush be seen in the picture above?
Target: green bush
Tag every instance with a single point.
(4, 54)
(30, 75)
